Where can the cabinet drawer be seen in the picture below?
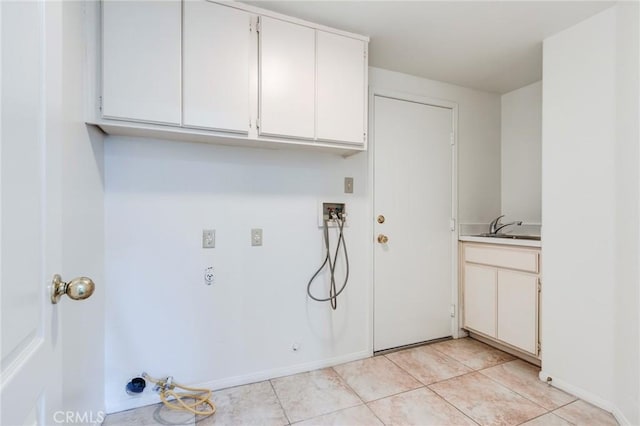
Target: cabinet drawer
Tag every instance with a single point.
(522, 260)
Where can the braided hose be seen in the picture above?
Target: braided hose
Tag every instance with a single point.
(201, 405)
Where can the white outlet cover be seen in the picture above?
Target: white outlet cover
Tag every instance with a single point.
(208, 238)
(256, 237)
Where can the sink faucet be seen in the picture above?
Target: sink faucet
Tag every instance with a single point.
(496, 225)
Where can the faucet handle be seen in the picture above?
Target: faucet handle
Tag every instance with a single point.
(494, 224)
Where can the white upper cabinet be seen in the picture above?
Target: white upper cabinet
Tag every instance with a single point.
(341, 88)
(230, 73)
(287, 79)
(216, 50)
(141, 60)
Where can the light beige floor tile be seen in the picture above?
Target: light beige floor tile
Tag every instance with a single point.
(583, 413)
(156, 414)
(308, 395)
(486, 401)
(418, 407)
(376, 377)
(522, 378)
(473, 354)
(254, 404)
(355, 416)
(547, 420)
(428, 365)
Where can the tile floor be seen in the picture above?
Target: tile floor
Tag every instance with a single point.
(456, 382)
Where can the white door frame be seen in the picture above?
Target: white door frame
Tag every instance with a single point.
(453, 106)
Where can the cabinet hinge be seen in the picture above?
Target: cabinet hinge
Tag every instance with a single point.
(364, 137)
(452, 224)
(539, 285)
(539, 348)
(258, 24)
(257, 123)
(100, 103)
(453, 310)
(365, 53)
(452, 138)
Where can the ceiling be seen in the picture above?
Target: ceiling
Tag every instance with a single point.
(495, 46)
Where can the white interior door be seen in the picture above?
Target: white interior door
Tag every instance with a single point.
(31, 222)
(413, 191)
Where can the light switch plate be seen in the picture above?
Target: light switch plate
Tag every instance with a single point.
(348, 185)
(256, 237)
(208, 238)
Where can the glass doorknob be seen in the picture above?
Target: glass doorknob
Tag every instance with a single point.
(77, 289)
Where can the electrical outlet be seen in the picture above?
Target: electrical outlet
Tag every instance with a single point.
(256, 237)
(208, 238)
(348, 185)
(208, 275)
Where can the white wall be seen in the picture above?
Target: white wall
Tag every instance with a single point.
(521, 143)
(627, 317)
(590, 172)
(478, 139)
(162, 319)
(83, 227)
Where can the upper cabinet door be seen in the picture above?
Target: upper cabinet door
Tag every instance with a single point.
(216, 43)
(287, 79)
(141, 60)
(341, 88)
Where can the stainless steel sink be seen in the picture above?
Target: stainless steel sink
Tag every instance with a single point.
(510, 236)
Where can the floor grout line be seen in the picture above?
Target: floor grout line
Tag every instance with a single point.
(396, 394)
(405, 370)
(273, 388)
(454, 406)
(516, 392)
(442, 380)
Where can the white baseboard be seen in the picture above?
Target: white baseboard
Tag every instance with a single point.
(587, 396)
(620, 417)
(131, 402)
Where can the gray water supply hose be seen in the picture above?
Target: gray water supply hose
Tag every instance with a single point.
(333, 294)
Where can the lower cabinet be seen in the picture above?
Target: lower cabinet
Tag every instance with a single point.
(500, 287)
(480, 298)
(518, 310)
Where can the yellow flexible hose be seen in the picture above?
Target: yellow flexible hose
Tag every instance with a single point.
(199, 396)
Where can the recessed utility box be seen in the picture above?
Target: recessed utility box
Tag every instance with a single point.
(326, 209)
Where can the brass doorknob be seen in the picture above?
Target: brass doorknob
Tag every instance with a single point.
(77, 289)
(380, 219)
(382, 239)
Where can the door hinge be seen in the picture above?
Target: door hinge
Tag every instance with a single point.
(452, 224)
(453, 310)
(100, 103)
(452, 138)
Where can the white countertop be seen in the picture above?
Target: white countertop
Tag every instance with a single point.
(501, 241)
